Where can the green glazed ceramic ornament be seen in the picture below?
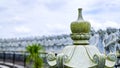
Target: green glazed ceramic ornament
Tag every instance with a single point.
(80, 30)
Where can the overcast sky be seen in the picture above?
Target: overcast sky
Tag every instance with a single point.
(24, 18)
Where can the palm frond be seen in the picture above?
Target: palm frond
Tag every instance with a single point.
(34, 52)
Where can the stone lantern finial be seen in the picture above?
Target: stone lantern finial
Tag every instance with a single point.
(80, 30)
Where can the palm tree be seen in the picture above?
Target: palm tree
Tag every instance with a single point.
(34, 55)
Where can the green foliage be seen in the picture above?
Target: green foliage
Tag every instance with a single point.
(34, 55)
(80, 27)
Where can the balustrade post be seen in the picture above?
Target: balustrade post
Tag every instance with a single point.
(24, 59)
(13, 58)
(4, 56)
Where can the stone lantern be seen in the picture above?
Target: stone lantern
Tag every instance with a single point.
(81, 54)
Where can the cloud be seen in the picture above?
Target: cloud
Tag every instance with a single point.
(111, 24)
(0, 27)
(47, 17)
(22, 29)
(98, 25)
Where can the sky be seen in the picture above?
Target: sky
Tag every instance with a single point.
(24, 18)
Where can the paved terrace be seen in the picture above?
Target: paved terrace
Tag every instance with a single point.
(9, 65)
(17, 60)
